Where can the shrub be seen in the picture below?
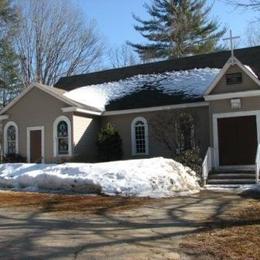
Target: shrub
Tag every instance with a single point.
(109, 144)
(191, 158)
(14, 158)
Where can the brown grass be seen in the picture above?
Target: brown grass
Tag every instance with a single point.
(68, 203)
(237, 236)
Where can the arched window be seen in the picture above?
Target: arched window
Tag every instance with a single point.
(11, 138)
(62, 136)
(139, 136)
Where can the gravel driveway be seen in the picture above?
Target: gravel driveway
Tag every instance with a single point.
(150, 231)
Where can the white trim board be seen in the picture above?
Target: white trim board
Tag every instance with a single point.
(80, 110)
(215, 118)
(249, 93)
(154, 109)
(29, 129)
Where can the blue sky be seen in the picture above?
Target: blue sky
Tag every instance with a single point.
(115, 22)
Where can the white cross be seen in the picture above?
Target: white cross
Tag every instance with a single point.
(231, 38)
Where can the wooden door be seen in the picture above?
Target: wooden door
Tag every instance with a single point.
(35, 146)
(237, 138)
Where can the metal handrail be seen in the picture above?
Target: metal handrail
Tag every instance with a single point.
(257, 163)
(207, 165)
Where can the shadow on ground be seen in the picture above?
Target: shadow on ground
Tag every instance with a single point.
(145, 232)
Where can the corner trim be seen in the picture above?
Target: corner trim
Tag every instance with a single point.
(154, 109)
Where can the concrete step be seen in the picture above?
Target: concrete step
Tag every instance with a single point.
(232, 176)
(231, 181)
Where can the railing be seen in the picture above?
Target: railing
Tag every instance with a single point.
(207, 165)
(257, 163)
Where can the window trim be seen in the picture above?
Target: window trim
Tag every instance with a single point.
(11, 123)
(55, 138)
(134, 153)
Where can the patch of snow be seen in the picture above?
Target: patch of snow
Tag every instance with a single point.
(190, 82)
(156, 177)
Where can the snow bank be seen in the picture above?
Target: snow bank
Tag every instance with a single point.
(191, 82)
(157, 177)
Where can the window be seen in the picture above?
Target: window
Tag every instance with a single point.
(139, 136)
(11, 138)
(63, 144)
(234, 78)
(62, 136)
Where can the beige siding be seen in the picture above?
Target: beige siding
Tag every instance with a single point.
(123, 124)
(247, 83)
(36, 108)
(85, 130)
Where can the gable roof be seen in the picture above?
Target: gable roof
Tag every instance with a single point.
(249, 56)
(56, 93)
(233, 61)
(149, 93)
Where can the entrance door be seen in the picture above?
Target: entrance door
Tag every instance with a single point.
(35, 146)
(237, 137)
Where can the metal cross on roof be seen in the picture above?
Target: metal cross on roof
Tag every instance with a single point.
(231, 38)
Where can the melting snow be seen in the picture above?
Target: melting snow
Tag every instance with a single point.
(191, 82)
(156, 177)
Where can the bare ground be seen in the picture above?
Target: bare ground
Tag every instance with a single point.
(49, 226)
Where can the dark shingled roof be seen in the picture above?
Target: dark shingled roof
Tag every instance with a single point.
(151, 97)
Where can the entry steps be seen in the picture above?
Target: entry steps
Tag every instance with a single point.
(231, 177)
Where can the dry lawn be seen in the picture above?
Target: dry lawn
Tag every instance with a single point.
(60, 203)
(235, 236)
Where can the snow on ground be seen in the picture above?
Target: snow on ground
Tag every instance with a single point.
(157, 177)
(191, 82)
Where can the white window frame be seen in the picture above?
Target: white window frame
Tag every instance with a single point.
(215, 118)
(134, 139)
(55, 136)
(35, 128)
(11, 123)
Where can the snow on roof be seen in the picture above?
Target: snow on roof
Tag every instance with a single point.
(190, 82)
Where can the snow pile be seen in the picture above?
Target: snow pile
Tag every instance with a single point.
(157, 177)
(190, 82)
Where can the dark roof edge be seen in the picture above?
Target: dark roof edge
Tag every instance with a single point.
(146, 68)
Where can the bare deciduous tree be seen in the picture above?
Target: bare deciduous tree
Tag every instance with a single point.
(122, 56)
(251, 4)
(253, 34)
(55, 40)
(175, 130)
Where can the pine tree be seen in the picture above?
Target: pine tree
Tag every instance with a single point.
(10, 85)
(177, 28)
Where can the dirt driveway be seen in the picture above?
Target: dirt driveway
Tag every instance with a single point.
(104, 228)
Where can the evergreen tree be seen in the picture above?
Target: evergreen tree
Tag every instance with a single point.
(10, 85)
(177, 28)
(109, 144)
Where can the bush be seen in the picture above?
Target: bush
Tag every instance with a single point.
(14, 158)
(109, 144)
(191, 158)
